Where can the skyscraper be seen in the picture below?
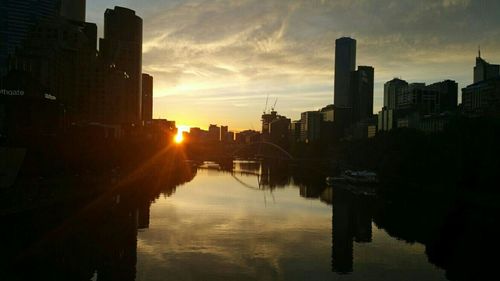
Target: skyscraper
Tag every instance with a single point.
(224, 130)
(147, 97)
(310, 126)
(484, 70)
(73, 9)
(483, 97)
(345, 62)
(122, 47)
(16, 19)
(361, 93)
(392, 89)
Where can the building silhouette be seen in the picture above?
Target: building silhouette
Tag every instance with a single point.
(484, 70)
(61, 55)
(121, 47)
(147, 97)
(214, 132)
(17, 18)
(417, 105)
(310, 130)
(267, 118)
(73, 9)
(345, 63)
(353, 92)
(224, 131)
(361, 93)
(392, 89)
(279, 131)
(482, 98)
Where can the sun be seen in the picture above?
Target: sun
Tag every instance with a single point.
(179, 137)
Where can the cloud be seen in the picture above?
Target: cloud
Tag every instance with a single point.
(278, 47)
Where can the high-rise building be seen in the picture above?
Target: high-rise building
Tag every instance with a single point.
(16, 19)
(447, 95)
(391, 91)
(224, 130)
(267, 118)
(310, 126)
(484, 70)
(345, 63)
(361, 93)
(279, 131)
(417, 105)
(61, 55)
(214, 132)
(73, 9)
(147, 97)
(122, 47)
(295, 128)
(483, 97)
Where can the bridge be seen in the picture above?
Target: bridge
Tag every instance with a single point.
(283, 154)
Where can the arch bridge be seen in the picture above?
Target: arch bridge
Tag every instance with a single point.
(284, 155)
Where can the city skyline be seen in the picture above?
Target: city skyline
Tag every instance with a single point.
(204, 54)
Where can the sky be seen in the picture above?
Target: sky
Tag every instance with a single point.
(217, 61)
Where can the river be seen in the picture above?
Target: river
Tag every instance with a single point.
(248, 223)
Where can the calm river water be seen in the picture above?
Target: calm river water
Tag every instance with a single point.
(251, 223)
(236, 226)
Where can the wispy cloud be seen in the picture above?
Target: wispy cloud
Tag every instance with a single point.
(245, 49)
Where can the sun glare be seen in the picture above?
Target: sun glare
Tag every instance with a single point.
(179, 138)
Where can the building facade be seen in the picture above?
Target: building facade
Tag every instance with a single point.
(17, 18)
(61, 55)
(484, 70)
(345, 63)
(310, 130)
(482, 98)
(361, 93)
(122, 47)
(147, 97)
(73, 9)
(392, 89)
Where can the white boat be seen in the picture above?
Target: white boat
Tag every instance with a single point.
(354, 177)
(365, 177)
(209, 165)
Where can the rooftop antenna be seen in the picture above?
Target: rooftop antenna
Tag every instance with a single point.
(479, 51)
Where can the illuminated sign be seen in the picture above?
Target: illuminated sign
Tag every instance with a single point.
(5, 92)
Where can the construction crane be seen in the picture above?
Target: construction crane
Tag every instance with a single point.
(267, 100)
(274, 106)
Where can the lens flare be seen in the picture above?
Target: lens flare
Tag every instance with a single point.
(179, 138)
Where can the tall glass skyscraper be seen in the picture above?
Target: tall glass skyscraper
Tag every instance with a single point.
(122, 48)
(345, 62)
(17, 17)
(73, 9)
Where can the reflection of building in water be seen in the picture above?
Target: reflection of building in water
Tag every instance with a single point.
(119, 243)
(310, 191)
(247, 166)
(143, 215)
(342, 243)
(362, 220)
(274, 174)
(351, 221)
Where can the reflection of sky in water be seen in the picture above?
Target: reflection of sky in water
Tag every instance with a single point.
(213, 228)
